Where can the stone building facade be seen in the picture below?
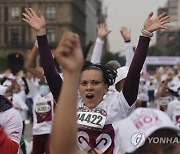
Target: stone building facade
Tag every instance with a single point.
(165, 37)
(16, 37)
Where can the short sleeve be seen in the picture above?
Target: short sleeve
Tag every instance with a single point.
(124, 106)
(12, 124)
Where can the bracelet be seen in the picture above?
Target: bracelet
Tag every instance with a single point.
(146, 33)
(127, 41)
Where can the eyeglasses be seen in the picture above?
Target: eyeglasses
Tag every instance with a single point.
(93, 82)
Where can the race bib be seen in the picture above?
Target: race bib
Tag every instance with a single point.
(91, 118)
(42, 108)
(43, 111)
(164, 102)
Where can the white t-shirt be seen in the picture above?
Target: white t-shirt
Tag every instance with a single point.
(33, 85)
(97, 127)
(11, 122)
(19, 103)
(43, 111)
(173, 111)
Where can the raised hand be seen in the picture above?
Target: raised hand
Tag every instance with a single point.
(69, 53)
(36, 44)
(36, 21)
(126, 33)
(102, 31)
(153, 24)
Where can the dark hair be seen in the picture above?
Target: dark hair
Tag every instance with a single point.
(109, 74)
(113, 64)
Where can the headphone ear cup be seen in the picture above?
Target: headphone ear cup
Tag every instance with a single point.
(111, 75)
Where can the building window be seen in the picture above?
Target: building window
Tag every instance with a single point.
(0, 15)
(50, 12)
(14, 36)
(23, 36)
(6, 14)
(5, 35)
(15, 13)
(0, 36)
(51, 35)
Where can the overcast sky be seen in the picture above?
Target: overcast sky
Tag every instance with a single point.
(130, 13)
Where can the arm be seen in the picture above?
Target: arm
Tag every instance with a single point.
(131, 85)
(52, 76)
(37, 22)
(64, 131)
(98, 48)
(162, 90)
(126, 35)
(130, 89)
(31, 62)
(19, 103)
(10, 131)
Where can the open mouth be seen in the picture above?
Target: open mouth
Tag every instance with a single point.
(90, 96)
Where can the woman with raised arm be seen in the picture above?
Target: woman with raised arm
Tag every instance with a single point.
(98, 110)
(43, 106)
(37, 21)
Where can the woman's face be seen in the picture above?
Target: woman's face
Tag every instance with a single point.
(92, 87)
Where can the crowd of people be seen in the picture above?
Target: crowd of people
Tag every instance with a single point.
(89, 107)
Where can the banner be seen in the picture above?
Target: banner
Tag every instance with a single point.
(160, 60)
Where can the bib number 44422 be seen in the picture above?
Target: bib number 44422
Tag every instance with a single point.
(91, 119)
